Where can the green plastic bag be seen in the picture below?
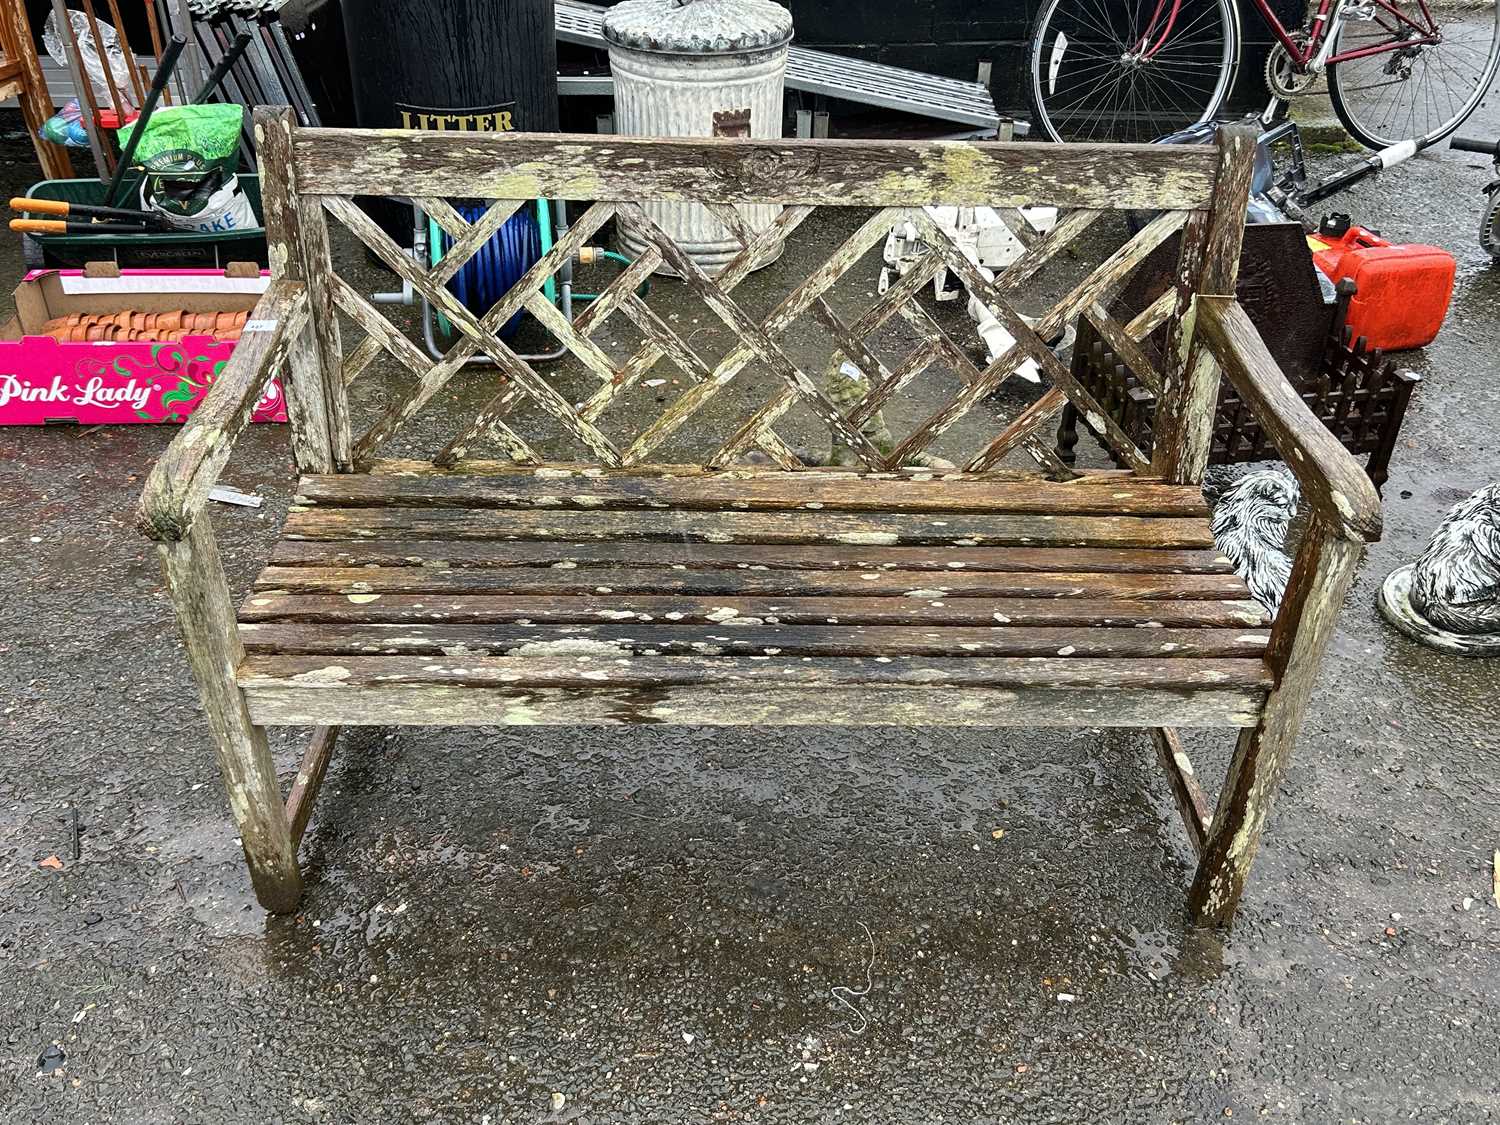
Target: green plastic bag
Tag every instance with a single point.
(211, 132)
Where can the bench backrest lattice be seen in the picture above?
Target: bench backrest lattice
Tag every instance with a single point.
(315, 173)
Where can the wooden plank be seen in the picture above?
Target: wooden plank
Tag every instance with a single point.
(179, 482)
(821, 172)
(323, 324)
(1187, 794)
(387, 336)
(309, 780)
(557, 664)
(1321, 575)
(735, 272)
(393, 340)
(135, 70)
(715, 705)
(297, 241)
(856, 529)
(362, 355)
(733, 221)
(813, 556)
(479, 332)
(1028, 344)
(933, 334)
(440, 211)
(782, 583)
(656, 638)
(626, 282)
(195, 584)
(1186, 408)
(1334, 485)
(664, 340)
(1055, 241)
(871, 320)
(713, 492)
(588, 353)
(117, 103)
(465, 247)
(306, 391)
(749, 612)
(33, 98)
(1019, 431)
(1124, 346)
(1176, 321)
(893, 382)
(1154, 315)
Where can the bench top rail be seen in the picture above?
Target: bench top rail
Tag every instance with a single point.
(848, 173)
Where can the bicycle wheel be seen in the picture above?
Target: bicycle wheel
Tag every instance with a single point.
(1131, 70)
(1440, 63)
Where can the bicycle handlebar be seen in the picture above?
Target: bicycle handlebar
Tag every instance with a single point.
(1472, 144)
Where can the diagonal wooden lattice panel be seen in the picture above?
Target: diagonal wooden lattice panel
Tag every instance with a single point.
(756, 340)
(478, 333)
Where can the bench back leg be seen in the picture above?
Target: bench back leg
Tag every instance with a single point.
(297, 242)
(195, 582)
(1209, 264)
(1320, 578)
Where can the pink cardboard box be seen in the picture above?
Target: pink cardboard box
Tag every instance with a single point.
(43, 380)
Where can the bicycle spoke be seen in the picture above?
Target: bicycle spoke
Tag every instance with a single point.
(1092, 79)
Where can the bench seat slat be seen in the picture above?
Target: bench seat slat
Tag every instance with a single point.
(268, 638)
(748, 612)
(856, 529)
(453, 553)
(716, 705)
(603, 666)
(782, 583)
(719, 492)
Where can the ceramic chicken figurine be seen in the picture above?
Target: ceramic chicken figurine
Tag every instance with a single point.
(1450, 597)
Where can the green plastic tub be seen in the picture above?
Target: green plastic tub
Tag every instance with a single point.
(189, 249)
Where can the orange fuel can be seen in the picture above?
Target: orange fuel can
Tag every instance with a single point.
(1403, 290)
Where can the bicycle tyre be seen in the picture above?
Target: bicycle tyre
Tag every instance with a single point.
(1122, 21)
(1343, 77)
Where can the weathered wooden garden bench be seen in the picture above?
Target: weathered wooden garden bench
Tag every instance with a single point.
(610, 589)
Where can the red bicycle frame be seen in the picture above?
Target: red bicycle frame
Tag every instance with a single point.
(1303, 56)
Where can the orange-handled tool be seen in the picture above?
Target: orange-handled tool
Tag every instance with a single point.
(58, 226)
(40, 206)
(88, 210)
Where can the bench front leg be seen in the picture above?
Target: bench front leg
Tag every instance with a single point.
(1345, 516)
(200, 596)
(171, 513)
(1320, 578)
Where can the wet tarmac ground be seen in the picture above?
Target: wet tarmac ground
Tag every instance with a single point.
(654, 924)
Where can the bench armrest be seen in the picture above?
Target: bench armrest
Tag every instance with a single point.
(1334, 484)
(178, 485)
